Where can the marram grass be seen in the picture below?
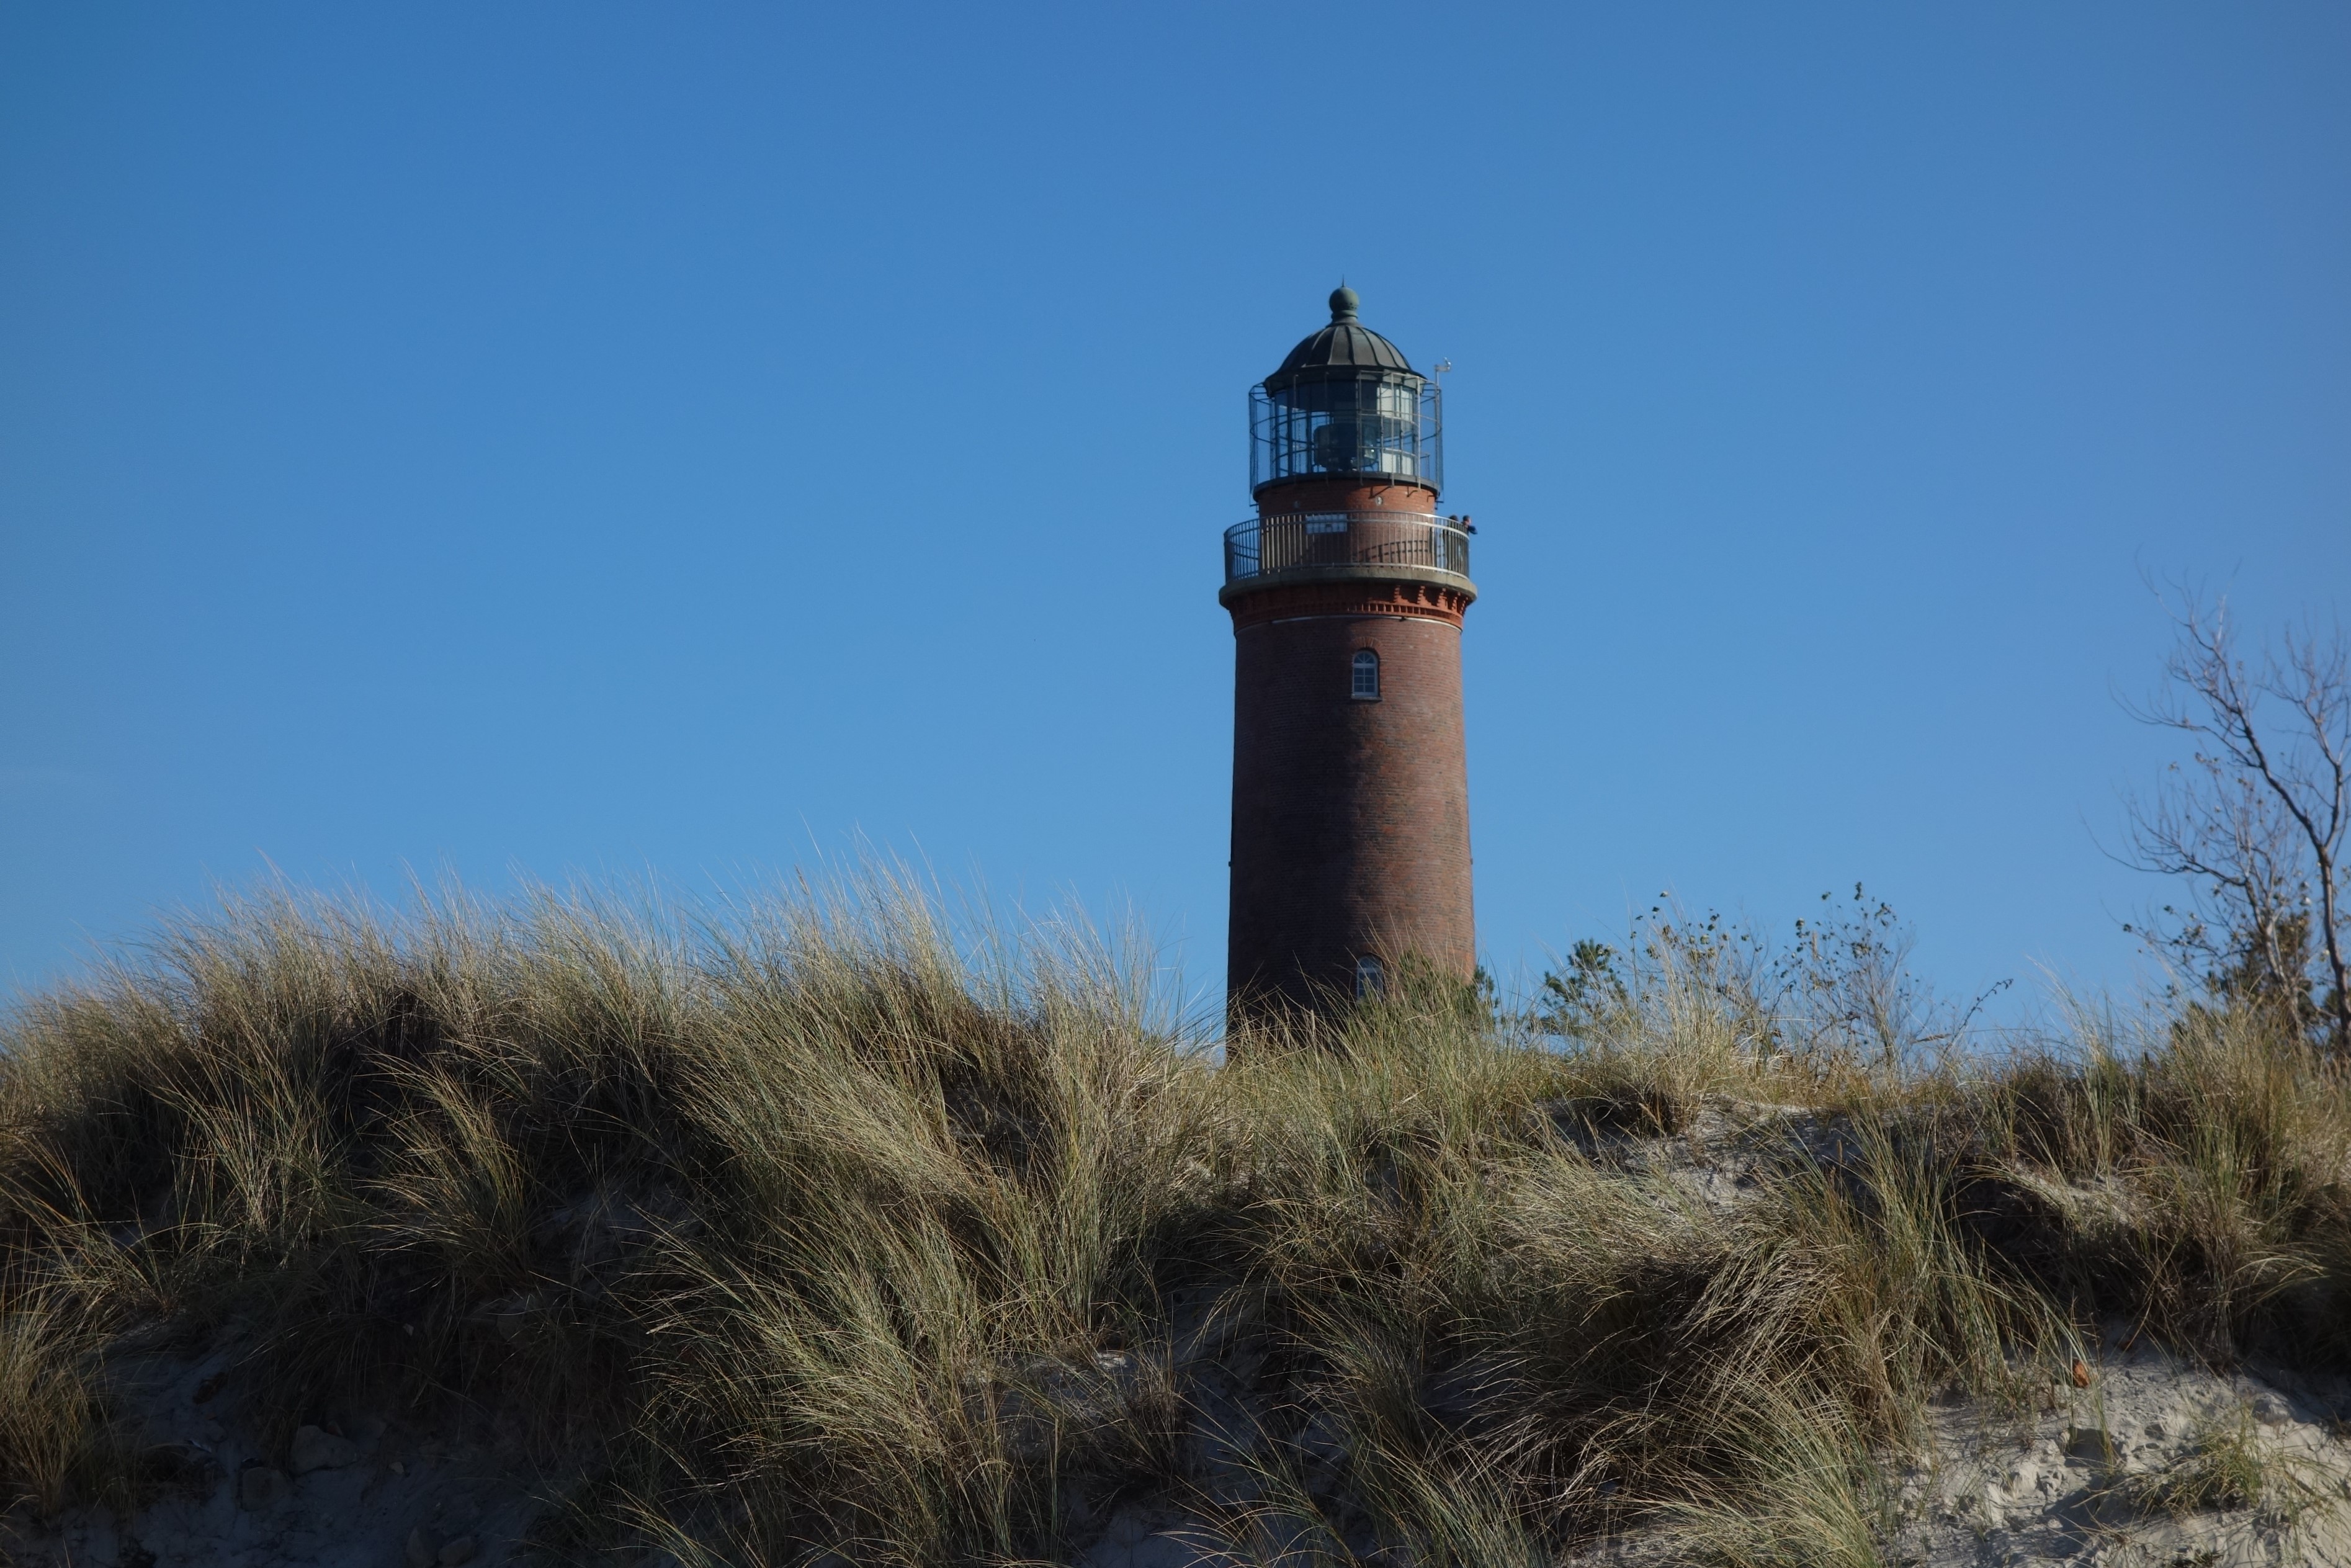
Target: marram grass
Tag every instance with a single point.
(811, 1226)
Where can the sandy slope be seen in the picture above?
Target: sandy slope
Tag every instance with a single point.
(1995, 1487)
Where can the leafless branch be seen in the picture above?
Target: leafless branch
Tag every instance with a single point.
(2256, 819)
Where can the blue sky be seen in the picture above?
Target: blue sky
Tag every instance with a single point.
(675, 441)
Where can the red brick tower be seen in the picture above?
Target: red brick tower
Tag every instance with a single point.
(1351, 792)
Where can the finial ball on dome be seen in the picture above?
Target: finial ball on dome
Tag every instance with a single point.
(1343, 303)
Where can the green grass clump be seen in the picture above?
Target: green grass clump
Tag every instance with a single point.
(809, 1226)
(2225, 1467)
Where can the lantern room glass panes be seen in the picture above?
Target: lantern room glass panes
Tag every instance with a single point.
(1386, 424)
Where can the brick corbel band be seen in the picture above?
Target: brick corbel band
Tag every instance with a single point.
(1290, 601)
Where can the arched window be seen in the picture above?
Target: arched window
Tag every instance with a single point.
(1371, 979)
(1366, 687)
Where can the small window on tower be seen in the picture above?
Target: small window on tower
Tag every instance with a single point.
(1367, 688)
(1370, 979)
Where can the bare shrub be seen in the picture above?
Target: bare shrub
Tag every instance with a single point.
(2254, 820)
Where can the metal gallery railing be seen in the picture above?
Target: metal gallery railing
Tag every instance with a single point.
(1287, 542)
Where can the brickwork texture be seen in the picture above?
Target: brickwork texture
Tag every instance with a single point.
(1351, 818)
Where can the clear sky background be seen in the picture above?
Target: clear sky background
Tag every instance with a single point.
(633, 440)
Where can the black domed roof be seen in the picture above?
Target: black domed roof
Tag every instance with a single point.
(1344, 345)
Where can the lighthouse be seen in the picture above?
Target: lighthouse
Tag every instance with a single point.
(1347, 590)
